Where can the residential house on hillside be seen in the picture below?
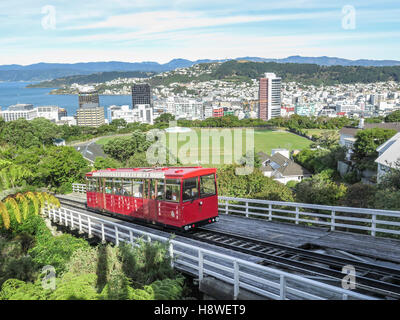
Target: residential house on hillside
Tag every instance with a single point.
(348, 138)
(281, 168)
(389, 156)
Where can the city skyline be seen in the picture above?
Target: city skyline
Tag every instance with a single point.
(133, 31)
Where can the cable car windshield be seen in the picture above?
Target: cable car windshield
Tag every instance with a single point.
(190, 189)
(207, 186)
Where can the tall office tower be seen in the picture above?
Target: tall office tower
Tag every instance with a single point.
(141, 94)
(89, 114)
(90, 117)
(269, 97)
(88, 96)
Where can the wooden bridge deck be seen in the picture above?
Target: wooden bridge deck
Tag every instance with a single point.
(294, 235)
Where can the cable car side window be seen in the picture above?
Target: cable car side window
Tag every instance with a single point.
(190, 189)
(207, 186)
(127, 187)
(108, 186)
(172, 190)
(160, 189)
(137, 188)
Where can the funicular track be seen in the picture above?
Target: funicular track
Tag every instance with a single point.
(381, 281)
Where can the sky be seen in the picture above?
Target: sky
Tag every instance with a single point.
(61, 31)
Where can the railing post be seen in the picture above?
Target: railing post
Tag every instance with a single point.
(72, 221)
(247, 209)
(297, 215)
(373, 225)
(131, 237)
(270, 212)
(103, 236)
(200, 266)
(116, 235)
(171, 254)
(89, 227)
(80, 222)
(282, 290)
(236, 280)
(333, 220)
(226, 206)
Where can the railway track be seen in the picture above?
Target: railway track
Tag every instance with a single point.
(384, 282)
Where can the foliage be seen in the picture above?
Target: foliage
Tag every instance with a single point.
(75, 287)
(122, 149)
(253, 185)
(146, 263)
(320, 190)
(319, 160)
(393, 117)
(164, 118)
(105, 163)
(55, 251)
(367, 142)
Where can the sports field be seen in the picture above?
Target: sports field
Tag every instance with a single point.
(214, 147)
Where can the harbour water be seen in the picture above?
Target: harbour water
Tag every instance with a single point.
(16, 92)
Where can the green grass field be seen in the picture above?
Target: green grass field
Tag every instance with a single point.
(214, 147)
(318, 132)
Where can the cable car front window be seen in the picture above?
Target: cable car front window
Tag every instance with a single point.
(173, 190)
(190, 189)
(208, 187)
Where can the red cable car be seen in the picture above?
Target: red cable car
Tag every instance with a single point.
(178, 197)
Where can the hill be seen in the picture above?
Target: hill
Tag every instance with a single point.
(48, 71)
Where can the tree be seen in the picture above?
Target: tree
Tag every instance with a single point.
(367, 142)
(393, 117)
(105, 163)
(62, 165)
(320, 190)
(122, 149)
(253, 185)
(164, 118)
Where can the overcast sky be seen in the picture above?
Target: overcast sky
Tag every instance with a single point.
(159, 30)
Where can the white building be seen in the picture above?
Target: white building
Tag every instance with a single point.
(389, 156)
(71, 121)
(48, 112)
(142, 113)
(18, 111)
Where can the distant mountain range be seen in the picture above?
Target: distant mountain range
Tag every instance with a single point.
(49, 71)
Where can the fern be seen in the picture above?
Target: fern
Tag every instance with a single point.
(24, 202)
(15, 209)
(5, 215)
(35, 202)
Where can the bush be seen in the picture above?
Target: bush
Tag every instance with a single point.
(56, 251)
(73, 287)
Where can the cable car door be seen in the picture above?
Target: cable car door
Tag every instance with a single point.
(191, 204)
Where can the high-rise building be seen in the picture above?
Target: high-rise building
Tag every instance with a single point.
(89, 114)
(88, 98)
(141, 94)
(269, 97)
(90, 117)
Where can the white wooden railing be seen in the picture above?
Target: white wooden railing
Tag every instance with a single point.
(333, 217)
(345, 218)
(242, 274)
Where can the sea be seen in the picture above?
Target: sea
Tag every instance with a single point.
(16, 92)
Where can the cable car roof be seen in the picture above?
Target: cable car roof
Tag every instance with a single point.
(153, 173)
